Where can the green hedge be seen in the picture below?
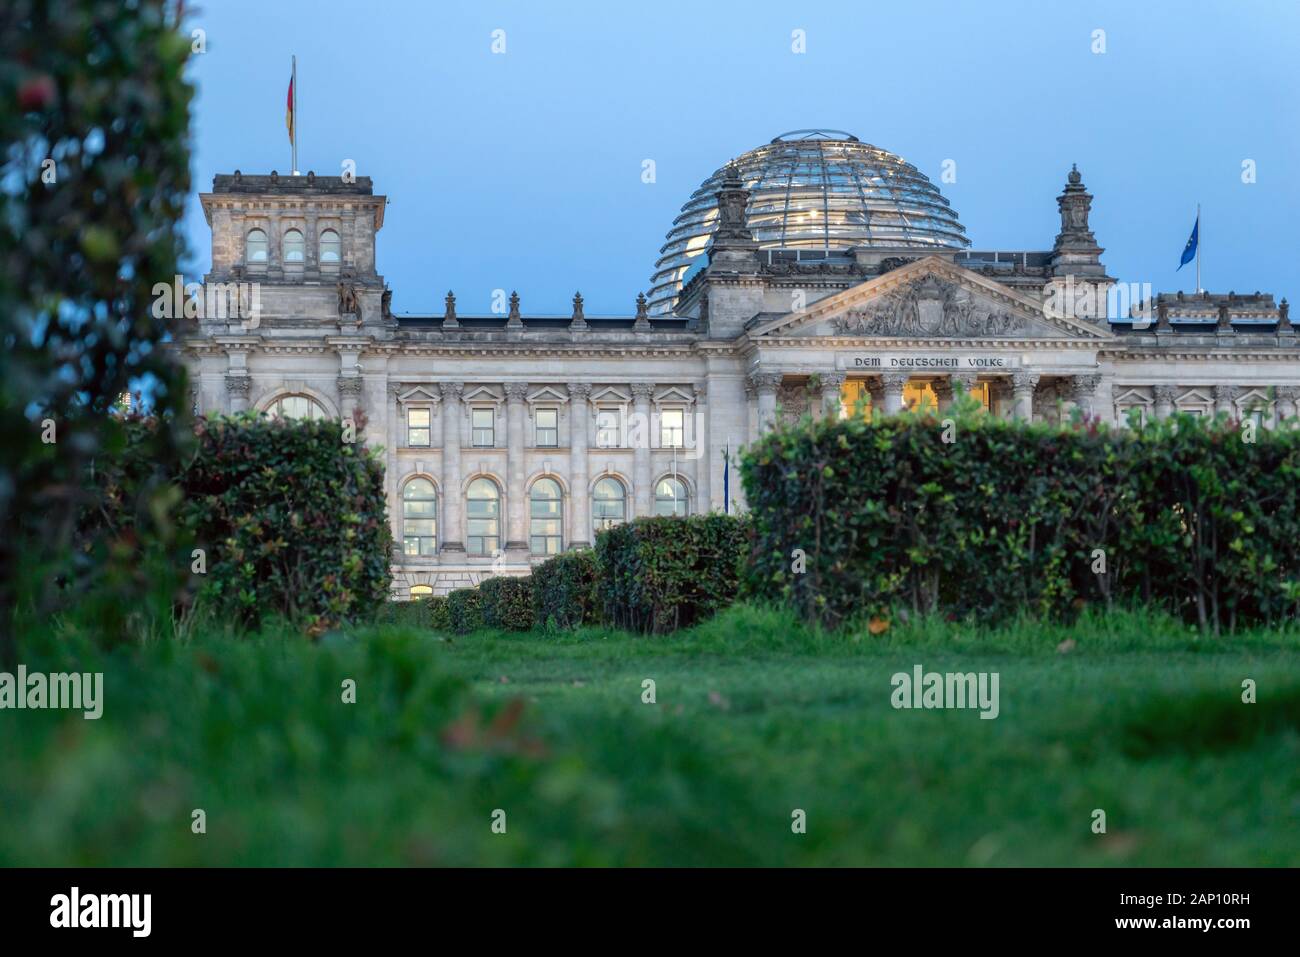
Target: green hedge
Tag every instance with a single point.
(426, 613)
(292, 519)
(564, 590)
(507, 603)
(1007, 518)
(465, 610)
(661, 574)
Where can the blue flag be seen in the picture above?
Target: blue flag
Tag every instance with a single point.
(1189, 251)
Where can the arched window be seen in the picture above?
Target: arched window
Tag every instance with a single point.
(483, 518)
(296, 407)
(421, 591)
(293, 246)
(545, 517)
(329, 246)
(670, 496)
(255, 246)
(419, 518)
(608, 503)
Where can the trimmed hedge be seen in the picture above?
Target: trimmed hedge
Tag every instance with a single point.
(564, 591)
(465, 610)
(507, 603)
(665, 573)
(427, 613)
(1007, 518)
(292, 518)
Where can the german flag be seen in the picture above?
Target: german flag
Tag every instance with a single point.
(288, 111)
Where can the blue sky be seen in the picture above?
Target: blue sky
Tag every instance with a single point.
(522, 170)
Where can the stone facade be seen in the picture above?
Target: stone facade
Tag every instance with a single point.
(656, 403)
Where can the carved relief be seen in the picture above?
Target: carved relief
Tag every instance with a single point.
(928, 309)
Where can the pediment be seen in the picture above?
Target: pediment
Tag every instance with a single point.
(927, 300)
(419, 395)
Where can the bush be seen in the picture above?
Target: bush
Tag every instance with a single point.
(1011, 518)
(425, 613)
(465, 610)
(292, 518)
(508, 603)
(661, 574)
(564, 590)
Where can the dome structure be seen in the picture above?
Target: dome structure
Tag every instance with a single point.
(814, 190)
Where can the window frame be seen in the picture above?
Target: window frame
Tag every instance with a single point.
(684, 501)
(490, 428)
(421, 592)
(432, 519)
(494, 518)
(337, 243)
(602, 522)
(426, 428)
(301, 242)
(680, 430)
(617, 412)
(273, 407)
(538, 428)
(265, 244)
(548, 539)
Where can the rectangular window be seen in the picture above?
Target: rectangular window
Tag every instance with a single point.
(548, 428)
(417, 427)
(484, 431)
(609, 428)
(672, 429)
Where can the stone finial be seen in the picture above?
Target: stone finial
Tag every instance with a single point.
(514, 320)
(642, 323)
(1074, 178)
(1075, 251)
(733, 243)
(579, 320)
(1283, 315)
(449, 320)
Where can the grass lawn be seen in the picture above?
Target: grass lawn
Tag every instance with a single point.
(755, 716)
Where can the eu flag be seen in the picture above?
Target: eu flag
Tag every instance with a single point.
(1189, 251)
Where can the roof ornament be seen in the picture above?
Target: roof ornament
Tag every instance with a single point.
(642, 323)
(449, 316)
(514, 320)
(579, 321)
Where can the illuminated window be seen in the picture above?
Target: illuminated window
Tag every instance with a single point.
(609, 428)
(419, 518)
(484, 428)
(417, 427)
(329, 246)
(545, 517)
(296, 407)
(548, 428)
(293, 246)
(670, 496)
(483, 522)
(672, 428)
(608, 503)
(421, 591)
(255, 246)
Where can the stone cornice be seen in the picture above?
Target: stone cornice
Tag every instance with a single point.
(882, 342)
(1169, 355)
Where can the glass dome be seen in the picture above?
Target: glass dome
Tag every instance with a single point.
(812, 190)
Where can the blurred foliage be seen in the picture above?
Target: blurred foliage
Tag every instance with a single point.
(465, 610)
(97, 87)
(995, 519)
(664, 573)
(293, 520)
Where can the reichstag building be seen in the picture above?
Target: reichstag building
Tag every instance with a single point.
(814, 275)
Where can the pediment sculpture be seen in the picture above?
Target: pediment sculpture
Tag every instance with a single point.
(928, 309)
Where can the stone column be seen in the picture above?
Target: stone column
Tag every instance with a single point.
(274, 265)
(943, 391)
(1083, 391)
(1288, 403)
(1022, 391)
(451, 527)
(517, 522)
(832, 393)
(1166, 395)
(701, 448)
(349, 389)
(892, 384)
(766, 384)
(1223, 396)
(964, 381)
(641, 392)
(751, 412)
(237, 389)
(579, 511)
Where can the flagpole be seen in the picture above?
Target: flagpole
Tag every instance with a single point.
(294, 81)
(1198, 249)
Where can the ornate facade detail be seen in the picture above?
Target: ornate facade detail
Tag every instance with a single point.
(930, 308)
(516, 391)
(451, 391)
(1024, 383)
(894, 381)
(514, 320)
(238, 386)
(642, 323)
(578, 319)
(349, 299)
(349, 385)
(1084, 386)
(765, 383)
(580, 391)
(449, 320)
